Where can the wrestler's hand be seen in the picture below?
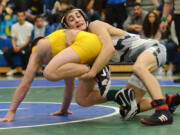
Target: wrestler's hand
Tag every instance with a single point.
(60, 112)
(9, 117)
(89, 75)
(70, 35)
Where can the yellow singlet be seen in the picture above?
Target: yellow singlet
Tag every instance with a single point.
(86, 45)
(57, 40)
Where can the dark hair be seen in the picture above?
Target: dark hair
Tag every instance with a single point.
(20, 11)
(69, 9)
(65, 12)
(148, 29)
(136, 4)
(37, 17)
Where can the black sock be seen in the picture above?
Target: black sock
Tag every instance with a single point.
(159, 104)
(139, 109)
(111, 95)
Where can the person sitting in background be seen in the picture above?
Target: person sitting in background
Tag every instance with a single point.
(151, 30)
(40, 28)
(154, 2)
(20, 33)
(53, 17)
(59, 6)
(34, 8)
(7, 19)
(135, 20)
(170, 41)
(150, 27)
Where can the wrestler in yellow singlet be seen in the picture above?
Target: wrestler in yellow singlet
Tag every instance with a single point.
(86, 45)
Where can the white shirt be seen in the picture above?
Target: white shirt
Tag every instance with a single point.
(21, 32)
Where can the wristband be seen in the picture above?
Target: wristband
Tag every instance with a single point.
(163, 19)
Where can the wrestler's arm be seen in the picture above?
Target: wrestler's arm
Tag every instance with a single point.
(23, 88)
(106, 52)
(113, 31)
(67, 97)
(70, 35)
(104, 32)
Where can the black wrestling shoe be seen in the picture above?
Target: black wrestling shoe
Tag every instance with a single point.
(160, 117)
(173, 101)
(126, 99)
(104, 80)
(129, 112)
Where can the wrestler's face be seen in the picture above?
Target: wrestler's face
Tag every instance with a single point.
(75, 20)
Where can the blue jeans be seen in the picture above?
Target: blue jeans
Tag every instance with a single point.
(171, 48)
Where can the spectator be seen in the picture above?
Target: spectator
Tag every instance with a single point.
(40, 28)
(168, 5)
(53, 18)
(151, 30)
(57, 7)
(154, 2)
(60, 5)
(34, 8)
(92, 9)
(151, 26)
(135, 20)
(159, 9)
(116, 12)
(21, 32)
(170, 44)
(7, 19)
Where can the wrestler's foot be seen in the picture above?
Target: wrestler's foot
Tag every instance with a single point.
(104, 80)
(162, 115)
(173, 101)
(126, 99)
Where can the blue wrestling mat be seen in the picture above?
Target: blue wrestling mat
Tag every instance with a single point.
(38, 114)
(46, 83)
(33, 115)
